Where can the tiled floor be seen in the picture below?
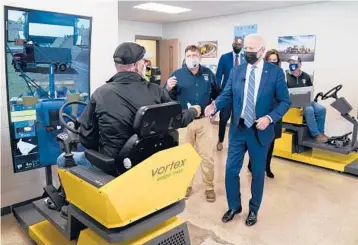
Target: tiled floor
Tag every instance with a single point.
(303, 205)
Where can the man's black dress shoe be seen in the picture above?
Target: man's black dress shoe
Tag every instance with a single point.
(251, 219)
(270, 174)
(229, 215)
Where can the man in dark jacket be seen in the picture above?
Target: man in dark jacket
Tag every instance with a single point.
(107, 122)
(226, 63)
(195, 84)
(315, 113)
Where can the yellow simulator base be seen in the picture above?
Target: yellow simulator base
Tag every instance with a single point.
(107, 210)
(296, 144)
(44, 233)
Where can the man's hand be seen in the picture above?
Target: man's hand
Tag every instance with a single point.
(263, 122)
(210, 110)
(197, 108)
(171, 83)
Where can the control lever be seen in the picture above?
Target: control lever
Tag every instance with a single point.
(74, 138)
(77, 124)
(65, 140)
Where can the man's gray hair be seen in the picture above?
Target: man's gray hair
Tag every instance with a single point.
(122, 68)
(257, 37)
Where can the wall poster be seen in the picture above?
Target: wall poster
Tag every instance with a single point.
(208, 49)
(303, 46)
(244, 30)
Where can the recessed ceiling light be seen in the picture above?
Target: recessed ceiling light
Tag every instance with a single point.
(162, 8)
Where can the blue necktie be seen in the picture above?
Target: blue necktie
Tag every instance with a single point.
(249, 113)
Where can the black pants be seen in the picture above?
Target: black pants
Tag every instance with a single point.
(269, 157)
(224, 117)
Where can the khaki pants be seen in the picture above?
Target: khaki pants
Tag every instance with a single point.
(199, 135)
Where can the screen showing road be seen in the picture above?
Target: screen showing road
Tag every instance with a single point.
(47, 65)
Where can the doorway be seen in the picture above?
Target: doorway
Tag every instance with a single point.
(164, 54)
(151, 45)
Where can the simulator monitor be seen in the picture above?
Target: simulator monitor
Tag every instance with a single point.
(301, 97)
(47, 59)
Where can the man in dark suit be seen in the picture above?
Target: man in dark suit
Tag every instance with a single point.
(252, 90)
(226, 63)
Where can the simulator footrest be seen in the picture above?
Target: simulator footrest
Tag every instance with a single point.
(70, 228)
(53, 216)
(313, 144)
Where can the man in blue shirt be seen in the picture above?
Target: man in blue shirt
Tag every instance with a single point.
(194, 84)
(226, 63)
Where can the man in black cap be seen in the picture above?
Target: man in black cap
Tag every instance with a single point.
(107, 122)
(315, 113)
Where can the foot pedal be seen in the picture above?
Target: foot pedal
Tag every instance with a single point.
(64, 212)
(56, 199)
(50, 204)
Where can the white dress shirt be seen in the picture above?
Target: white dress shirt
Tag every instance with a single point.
(258, 72)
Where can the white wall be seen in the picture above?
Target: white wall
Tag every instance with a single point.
(23, 186)
(129, 29)
(333, 23)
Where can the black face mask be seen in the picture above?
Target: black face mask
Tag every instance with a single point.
(251, 57)
(274, 63)
(236, 48)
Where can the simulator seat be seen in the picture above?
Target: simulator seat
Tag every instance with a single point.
(152, 133)
(296, 143)
(112, 205)
(294, 121)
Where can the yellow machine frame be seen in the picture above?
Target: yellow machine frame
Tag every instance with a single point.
(44, 233)
(284, 148)
(161, 180)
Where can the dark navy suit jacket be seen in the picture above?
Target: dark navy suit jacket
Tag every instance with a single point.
(226, 63)
(272, 99)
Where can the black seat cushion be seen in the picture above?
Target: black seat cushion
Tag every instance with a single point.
(155, 130)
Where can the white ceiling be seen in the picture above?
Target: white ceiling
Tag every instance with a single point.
(200, 9)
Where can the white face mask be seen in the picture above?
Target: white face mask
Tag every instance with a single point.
(192, 63)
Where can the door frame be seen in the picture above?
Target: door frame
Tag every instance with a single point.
(156, 39)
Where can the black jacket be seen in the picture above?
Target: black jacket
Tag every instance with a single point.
(303, 80)
(107, 122)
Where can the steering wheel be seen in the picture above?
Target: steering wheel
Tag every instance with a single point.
(70, 117)
(332, 93)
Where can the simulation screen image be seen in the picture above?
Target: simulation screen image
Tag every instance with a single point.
(47, 65)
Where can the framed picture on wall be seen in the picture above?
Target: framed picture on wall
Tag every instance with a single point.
(208, 49)
(302, 46)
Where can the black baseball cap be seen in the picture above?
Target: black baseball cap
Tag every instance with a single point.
(129, 53)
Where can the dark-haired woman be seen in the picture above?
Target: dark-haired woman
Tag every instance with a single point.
(272, 57)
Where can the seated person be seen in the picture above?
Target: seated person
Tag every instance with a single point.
(315, 114)
(107, 121)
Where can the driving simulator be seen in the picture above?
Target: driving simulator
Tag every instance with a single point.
(340, 153)
(48, 86)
